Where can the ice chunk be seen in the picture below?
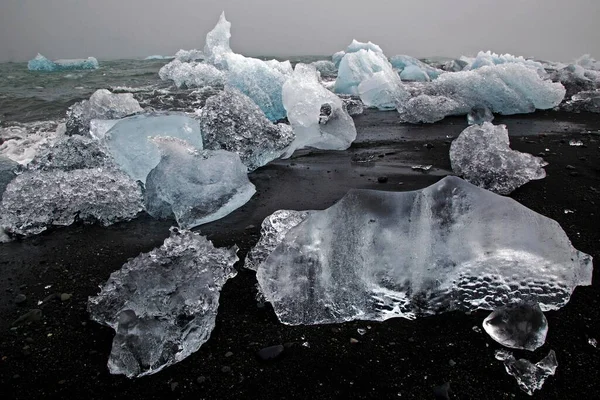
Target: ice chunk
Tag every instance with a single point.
(159, 57)
(356, 67)
(190, 74)
(584, 101)
(41, 63)
(479, 115)
(99, 127)
(36, 200)
(304, 99)
(189, 55)
(454, 65)
(134, 153)
(8, 169)
(375, 255)
(232, 121)
(336, 58)
(530, 377)
(326, 68)
(163, 304)
(21, 142)
(587, 62)
(504, 89)
(71, 152)
(356, 46)
(518, 326)
(353, 106)
(482, 155)
(416, 70)
(413, 73)
(382, 90)
(217, 43)
(272, 231)
(196, 186)
(487, 58)
(101, 105)
(575, 79)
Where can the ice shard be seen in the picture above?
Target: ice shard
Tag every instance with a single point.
(191, 74)
(272, 231)
(163, 304)
(481, 154)
(518, 326)
(316, 115)
(129, 144)
(195, 186)
(479, 115)
(375, 255)
(232, 121)
(41, 63)
(101, 105)
(504, 89)
(530, 377)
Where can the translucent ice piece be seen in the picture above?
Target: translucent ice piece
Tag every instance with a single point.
(518, 326)
(479, 115)
(530, 377)
(191, 74)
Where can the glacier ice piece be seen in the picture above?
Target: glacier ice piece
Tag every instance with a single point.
(159, 57)
(356, 46)
(412, 73)
(304, 99)
(584, 101)
(588, 62)
(376, 255)
(574, 78)
(353, 106)
(481, 154)
(196, 186)
(128, 141)
(216, 46)
(488, 58)
(36, 200)
(454, 65)
(479, 115)
(99, 127)
(272, 231)
(102, 105)
(326, 68)
(504, 89)
(41, 63)
(71, 152)
(232, 121)
(336, 58)
(518, 326)
(163, 304)
(21, 142)
(189, 55)
(8, 169)
(191, 74)
(382, 90)
(530, 377)
(416, 70)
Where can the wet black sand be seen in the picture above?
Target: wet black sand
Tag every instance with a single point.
(64, 355)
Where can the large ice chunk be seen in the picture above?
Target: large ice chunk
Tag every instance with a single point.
(518, 326)
(134, 153)
(305, 99)
(272, 231)
(413, 69)
(232, 121)
(191, 74)
(163, 304)
(196, 186)
(482, 155)
(504, 89)
(102, 105)
(530, 377)
(382, 90)
(41, 63)
(375, 255)
(36, 200)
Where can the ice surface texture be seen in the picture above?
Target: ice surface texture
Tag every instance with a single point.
(232, 121)
(375, 255)
(101, 105)
(41, 63)
(518, 326)
(482, 155)
(530, 377)
(189, 55)
(196, 186)
(191, 74)
(304, 99)
(504, 89)
(163, 304)
(128, 140)
(71, 152)
(22, 142)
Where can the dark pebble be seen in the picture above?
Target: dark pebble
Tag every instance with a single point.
(20, 298)
(271, 352)
(429, 146)
(201, 380)
(570, 167)
(382, 179)
(226, 369)
(574, 173)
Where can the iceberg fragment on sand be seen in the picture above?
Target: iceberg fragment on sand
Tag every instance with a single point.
(481, 154)
(196, 186)
(41, 63)
(191, 74)
(584, 101)
(413, 69)
(530, 377)
(163, 304)
(129, 144)
(102, 105)
(375, 255)
(232, 121)
(504, 89)
(518, 326)
(305, 100)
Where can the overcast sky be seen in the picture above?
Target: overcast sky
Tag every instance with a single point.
(558, 30)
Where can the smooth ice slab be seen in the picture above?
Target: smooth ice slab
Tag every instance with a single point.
(530, 377)
(196, 186)
(316, 115)
(518, 326)
(101, 105)
(41, 63)
(191, 74)
(163, 304)
(375, 255)
(481, 154)
(129, 144)
(231, 121)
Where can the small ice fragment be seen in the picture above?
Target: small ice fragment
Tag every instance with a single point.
(361, 331)
(476, 329)
(306, 344)
(422, 168)
(575, 143)
(518, 326)
(593, 342)
(47, 287)
(567, 211)
(530, 377)
(479, 114)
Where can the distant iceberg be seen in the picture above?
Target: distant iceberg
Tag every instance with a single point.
(158, 57)
(41, 63)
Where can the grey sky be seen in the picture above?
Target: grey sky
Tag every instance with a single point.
(548, 29)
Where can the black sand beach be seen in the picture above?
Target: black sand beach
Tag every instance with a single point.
(64, 354)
